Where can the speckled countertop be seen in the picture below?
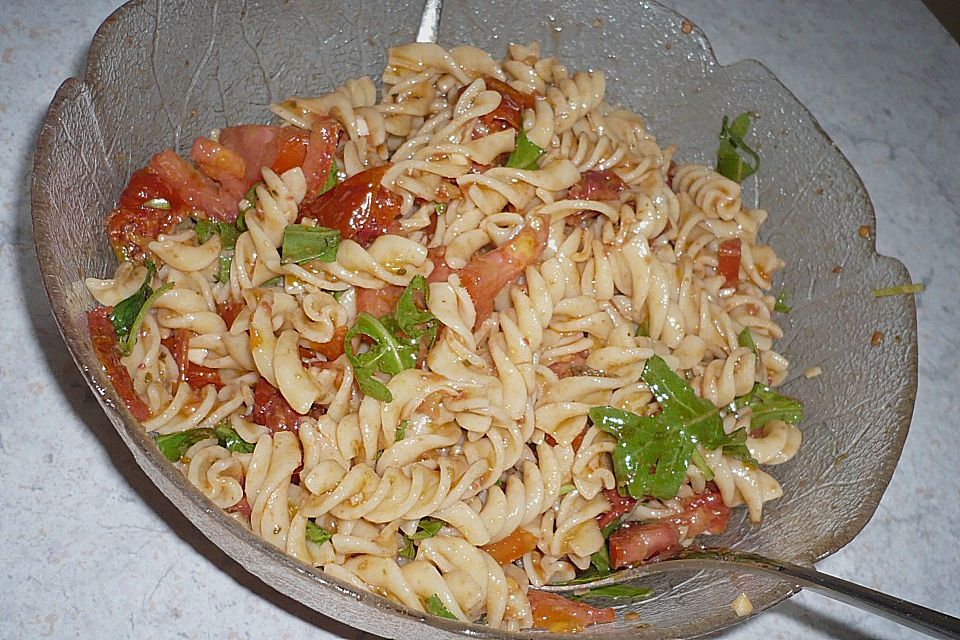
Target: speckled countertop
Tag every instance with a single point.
(88, 548)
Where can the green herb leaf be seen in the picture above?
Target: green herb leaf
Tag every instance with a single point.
(440, 208)
(608, 530)
(242, 221)
(333, 178)
(223, 268)
(124, 313)
(601, 560)
(653, 452)
(525, 155)
(765, 405)
(251, 198)
(204, 229)
(702, 464)
(407, 549)
(174, 446)
(396, 339)
(230, 440)
(126, 345)
(745, 339)
(643, 329)
(427, 528)
(401, 430)
(916, 287)
(735, 446)
(435, 608)
(273, 282)
(383, 355)
(730, 162)
(567, 488)
(317, 534)
(302, 243)
(616, 591)
(780, 305)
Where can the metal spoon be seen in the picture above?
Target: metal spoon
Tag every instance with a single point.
(928, 621)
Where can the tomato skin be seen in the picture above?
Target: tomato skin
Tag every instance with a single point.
(221, 164)
(229, 311)
(272, 410)
(195, 375)
(103, 337)
(728, 261)
(378, 302)
(486, 274)
(509, 113)
(132, 224)
(619, 505)
(243, 508)
(557, 614)
(196, 190)
(359, 208)
(319, 154)
(511, 548)
(635, 543)
(255, 143)
(703, 513)
(441, 270)
(597, 185)
(334, 348)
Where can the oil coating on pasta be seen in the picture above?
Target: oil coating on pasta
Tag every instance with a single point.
(494, 417)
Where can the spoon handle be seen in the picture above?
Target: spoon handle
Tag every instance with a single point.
(914, 616)
(430, 21)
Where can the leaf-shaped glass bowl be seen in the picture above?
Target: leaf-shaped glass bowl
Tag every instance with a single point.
(160, 73)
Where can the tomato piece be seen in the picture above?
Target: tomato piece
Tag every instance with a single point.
(378, 302)
(272, 410)
(511, 548)
(195, 375)
(635, 543)
(291, 148)
(508, 114)
(256, 144)
(221, 164)
(196, 190)
(728, 261)
(319, 156)
(597, 185)
(229, 311)
(360, 208)
(103, 338)
(243, 508)
(334, 348)
(441, 270)
(703, 513)
(132, 224)
(619, 505)
(486, 274)
(557, 614)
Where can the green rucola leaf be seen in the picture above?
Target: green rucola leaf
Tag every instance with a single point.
(174, 446)
(317, 534)
(436, 607)
(302, 243)
(525, 155)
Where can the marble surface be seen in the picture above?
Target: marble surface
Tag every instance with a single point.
(88, 548)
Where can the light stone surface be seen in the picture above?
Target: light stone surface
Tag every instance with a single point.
(88, 548)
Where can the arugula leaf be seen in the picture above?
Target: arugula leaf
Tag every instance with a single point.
(407, 550)
(251, 198)
(204, 229)
(440, 208)
(383, 355)
(396, 340)
(730, 164)
(736, 447)
(616, 591)
(702, 464)
(601, 560)
(765, 405)
(228, 232)
(643, 329)
(745, 339)
(427, 528)
(333, 178)
(435, 607)
(653, 452)
(317, 534)
(230, 440)
(223, 268)
(273, 282)
(525, 155)
(608, 530)
(126, 345)
(174, 446)
(302, 243)
(567, 488)
(124, 313)
(401, 430)
(781, 302)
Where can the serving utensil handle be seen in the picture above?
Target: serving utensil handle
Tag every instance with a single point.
(914, 616)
